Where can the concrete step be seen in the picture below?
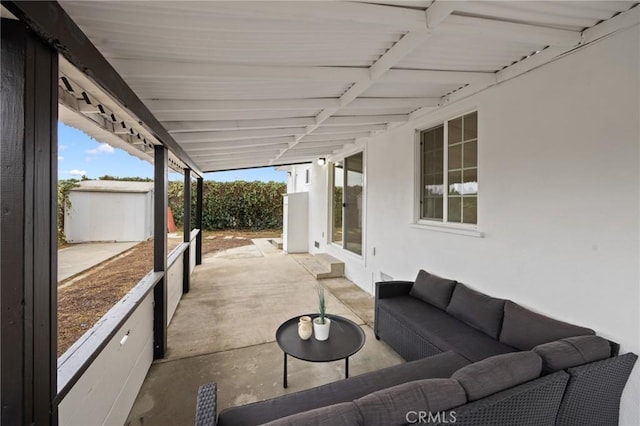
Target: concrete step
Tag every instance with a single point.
(276, 242)
(322, 265)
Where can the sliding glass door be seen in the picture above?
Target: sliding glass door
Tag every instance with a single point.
(347, 203)
(337, 202)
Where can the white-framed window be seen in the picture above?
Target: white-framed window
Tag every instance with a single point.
(449, 171)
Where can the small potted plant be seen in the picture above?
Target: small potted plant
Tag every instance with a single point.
(321, 323)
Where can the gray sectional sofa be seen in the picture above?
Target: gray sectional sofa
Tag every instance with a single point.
(472, 360)
(431, 315)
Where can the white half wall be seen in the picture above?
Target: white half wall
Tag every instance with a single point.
(106, 392)
(192, 256)
(174, 285)
(559, 178)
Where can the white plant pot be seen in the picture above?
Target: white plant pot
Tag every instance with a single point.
(321, 331)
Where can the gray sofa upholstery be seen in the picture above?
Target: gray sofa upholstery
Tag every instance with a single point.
(471, 323)
(440, 366)
(416, 327)
(473, 360)
(504, 389)
(506, 386)
(416, 330)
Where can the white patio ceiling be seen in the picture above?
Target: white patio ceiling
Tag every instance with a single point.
(247, 84)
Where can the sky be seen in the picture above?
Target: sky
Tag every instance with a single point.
(79, 154)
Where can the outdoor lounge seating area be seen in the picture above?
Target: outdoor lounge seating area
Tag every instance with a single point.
(545, 372)
(224, 331)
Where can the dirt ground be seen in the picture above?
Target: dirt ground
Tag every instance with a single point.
(84, 299)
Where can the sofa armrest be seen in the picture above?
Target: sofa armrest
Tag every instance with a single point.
(534, 403)
(385, 289)
(594, 391)
(206, 405)
(615, 348)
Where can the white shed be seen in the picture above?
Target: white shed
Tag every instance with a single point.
(103, 210)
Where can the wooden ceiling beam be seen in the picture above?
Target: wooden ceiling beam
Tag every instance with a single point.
(231, 135)
(175, 127)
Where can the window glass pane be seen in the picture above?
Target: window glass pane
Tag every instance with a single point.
(455, 157)
(434, 144)
(461, 169)
(455, 209)
(424, 166)
(470, 154)
(455, 183)
(432, 208)
(438, 184)
(433, 185)
(455, 131)
(427, 207)
(470, 209)
(432, 173)
(433, 159)
(438, 137)
(470, 126)
(439, 209)
(470, 181)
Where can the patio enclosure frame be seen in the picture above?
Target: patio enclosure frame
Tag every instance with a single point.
(29, 232)
(30, 390)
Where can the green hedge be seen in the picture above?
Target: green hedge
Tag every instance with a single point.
(232, 205)
(227, 205)
(64, 186)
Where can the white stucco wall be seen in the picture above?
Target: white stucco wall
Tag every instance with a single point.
(559, 161)
(297, 179)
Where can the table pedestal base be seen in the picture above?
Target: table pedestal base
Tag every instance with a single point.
(284, 377)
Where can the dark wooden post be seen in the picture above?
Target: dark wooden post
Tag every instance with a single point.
(28, 164)
(160, 206)
(186, 265)
(199, 193)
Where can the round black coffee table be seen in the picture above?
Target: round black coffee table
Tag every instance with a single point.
(345, 339)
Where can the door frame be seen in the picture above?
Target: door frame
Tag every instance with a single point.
(342, 245)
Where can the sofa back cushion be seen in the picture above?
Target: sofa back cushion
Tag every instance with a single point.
(343, 414)
(432, 289)
(524, 329)
(390, 406)
(497, 373)
(476, 309)
(572, 351)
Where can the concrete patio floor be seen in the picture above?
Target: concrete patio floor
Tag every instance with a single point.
(77, 258)
(224, 331)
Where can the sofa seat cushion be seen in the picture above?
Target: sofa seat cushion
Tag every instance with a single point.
(438, 366)
(443, 330)
(432, 289)
(477, 309)
(524, 329)
(572, 351)
(343, 414)
(498, 373)
(390, 407)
